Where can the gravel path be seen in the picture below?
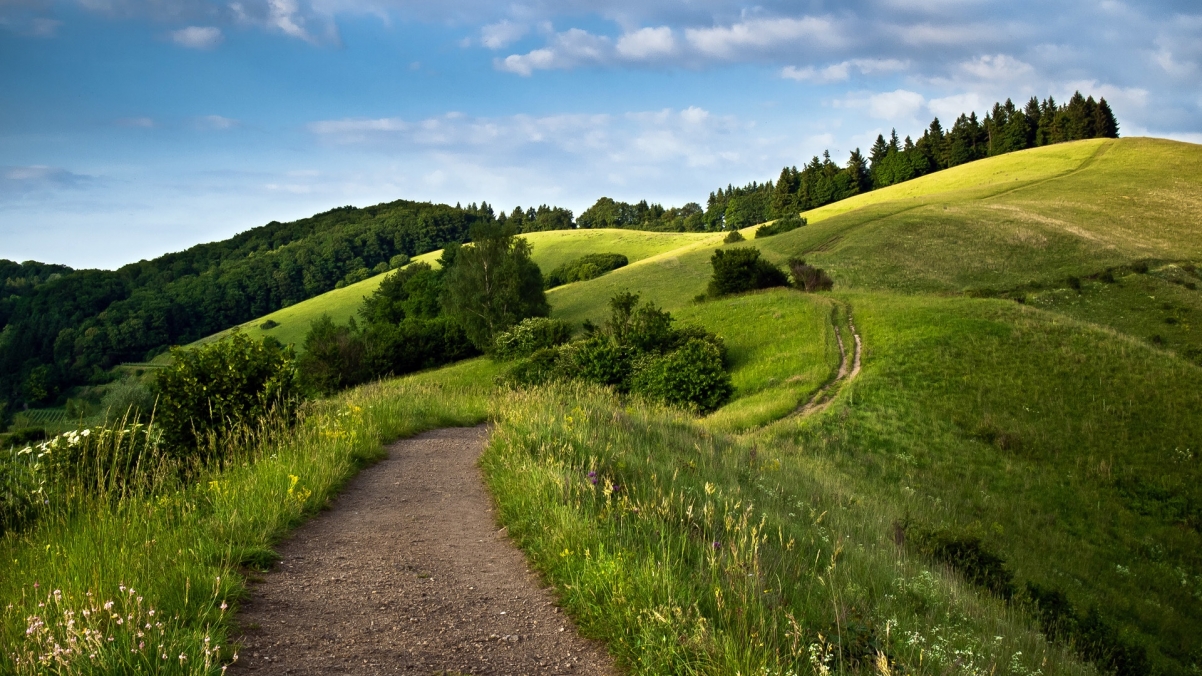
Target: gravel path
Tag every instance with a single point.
(409, 574)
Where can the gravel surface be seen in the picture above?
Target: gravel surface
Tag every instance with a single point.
(408, 573)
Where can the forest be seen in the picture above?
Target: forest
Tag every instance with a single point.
(63, 328)
(1006, 128)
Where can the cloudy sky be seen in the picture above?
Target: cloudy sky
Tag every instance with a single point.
(129, 128)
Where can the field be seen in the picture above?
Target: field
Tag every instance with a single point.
(1031, 386)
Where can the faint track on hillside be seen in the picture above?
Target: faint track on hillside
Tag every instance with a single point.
(847, 371)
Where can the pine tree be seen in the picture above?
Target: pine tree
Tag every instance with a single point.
(878, 150)
(857, 167)
(1105, 124)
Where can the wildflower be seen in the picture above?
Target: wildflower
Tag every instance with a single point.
(224, 605)
(717, 545)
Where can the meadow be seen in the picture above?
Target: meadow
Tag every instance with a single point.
(1030, 392)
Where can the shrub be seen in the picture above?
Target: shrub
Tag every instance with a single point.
(337, 357)
(269, 325)
(585, 268)
(602, 361)
(537, 369)
(412, 292)
(780, 225)
(969, 557)
(398, 261)
(27, 435)
(18, 486)
(741, 269)
(734, 236)
(333, 357)
(691, 377)
(529, 336)
(212, 390)
(638, 349)
(1094, 639)
(128, 397)
(809, 278)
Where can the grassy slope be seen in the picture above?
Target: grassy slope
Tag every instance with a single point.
(1094, 458)
(550, 249)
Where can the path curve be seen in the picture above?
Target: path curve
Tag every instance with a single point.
(408, 574)
(847, 372)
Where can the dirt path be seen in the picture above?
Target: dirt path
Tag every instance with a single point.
(408, 574)
(847, 371)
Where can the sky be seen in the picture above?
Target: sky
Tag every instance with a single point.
(130, 128)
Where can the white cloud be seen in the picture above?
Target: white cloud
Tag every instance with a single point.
(216, 122)
(197, 37)
(647, 43)
(730, 42)
(895, 105)
(566, 50)
(1169, 63)
(38, 177)
(928, 35)
(502, 34)
(949, 108)
(997, 68)
(842, 71)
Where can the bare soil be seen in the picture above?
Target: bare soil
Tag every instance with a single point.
(408, 573)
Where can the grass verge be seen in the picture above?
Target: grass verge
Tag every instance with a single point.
(146, 581)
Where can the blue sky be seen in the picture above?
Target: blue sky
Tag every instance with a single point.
(132, 128)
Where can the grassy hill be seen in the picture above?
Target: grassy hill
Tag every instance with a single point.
(1030, 383)
(549, 249)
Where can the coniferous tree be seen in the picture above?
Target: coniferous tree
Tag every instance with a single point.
(1105, 124)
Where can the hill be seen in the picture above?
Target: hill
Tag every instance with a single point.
(549, 249)
(1022, 388)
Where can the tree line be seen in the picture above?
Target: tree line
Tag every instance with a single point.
(1006, 128)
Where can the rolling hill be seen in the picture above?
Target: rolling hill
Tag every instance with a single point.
(1030, 383)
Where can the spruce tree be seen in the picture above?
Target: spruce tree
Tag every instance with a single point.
(1105, 124)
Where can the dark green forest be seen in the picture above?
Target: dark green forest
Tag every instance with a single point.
(64, 327)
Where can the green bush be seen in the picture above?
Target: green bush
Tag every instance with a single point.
(398, 261)
(585, 268)
(333, 357)
(1093, 638)
(734, 236)
(269, 325)
(538, 369)
(213, 390)
(27, 435)
(529, 336)
(602, 361)
(637, 350)
(740, 270)
(809, 278)
(18, 487)
(337, 357)
(128, 397)
(969, 556)
(780, 225)
(692, 377)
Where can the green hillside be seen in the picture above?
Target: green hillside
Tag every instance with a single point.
(550, 249)
(1031, 382)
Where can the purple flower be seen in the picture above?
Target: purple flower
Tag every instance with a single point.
(592, 474)
(717, 545)
(617, 487)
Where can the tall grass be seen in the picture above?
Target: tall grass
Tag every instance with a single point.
(695, 553)
(142, 574)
